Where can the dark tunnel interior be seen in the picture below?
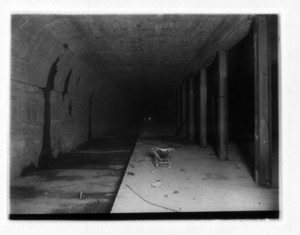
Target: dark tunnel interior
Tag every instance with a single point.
(79, 80)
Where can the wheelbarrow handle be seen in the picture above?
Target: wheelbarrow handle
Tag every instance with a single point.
(164, 150)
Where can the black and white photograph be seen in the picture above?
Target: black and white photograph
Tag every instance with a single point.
(146, 115)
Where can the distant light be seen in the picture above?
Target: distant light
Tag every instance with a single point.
(149, 118)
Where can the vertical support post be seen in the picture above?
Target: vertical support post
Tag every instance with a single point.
(222, 106)
(184, 110)
(203, 107)
(174, 110)
(191, 109)
(178, 114)
(262, 85)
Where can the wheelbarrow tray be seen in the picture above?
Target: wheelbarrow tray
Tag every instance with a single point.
(162, 157)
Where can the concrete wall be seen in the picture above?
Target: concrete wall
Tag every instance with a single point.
(68, 101)
(26, 126)
(241, 85)
(212, 102)
(51, 90)
(241, 90)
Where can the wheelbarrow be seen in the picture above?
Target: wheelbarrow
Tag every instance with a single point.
(162, 156)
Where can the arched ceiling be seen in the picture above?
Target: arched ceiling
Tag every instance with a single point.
(144, 50)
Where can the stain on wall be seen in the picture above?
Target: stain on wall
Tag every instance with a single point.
(46, 153)
(51, 88)
(66, 85)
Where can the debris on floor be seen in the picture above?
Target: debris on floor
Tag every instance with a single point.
(214, 176)
(188, 184)
(162, 156)
(77, 180)
(129, 173)
(237, 166)
(156, 184)
(139, 159)
(131, 165)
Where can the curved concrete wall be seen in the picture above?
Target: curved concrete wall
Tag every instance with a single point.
(51, 81)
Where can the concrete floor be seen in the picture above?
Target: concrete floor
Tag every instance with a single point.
(87, 180)
(83, 181)
(196, 181)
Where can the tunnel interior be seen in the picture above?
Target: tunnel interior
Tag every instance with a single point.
(79, 80)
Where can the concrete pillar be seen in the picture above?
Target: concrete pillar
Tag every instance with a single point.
(262, 63)
(191, 109)
(178, 114)
(203, 107)
(174, 110)
(222, 106)
(184, 121)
